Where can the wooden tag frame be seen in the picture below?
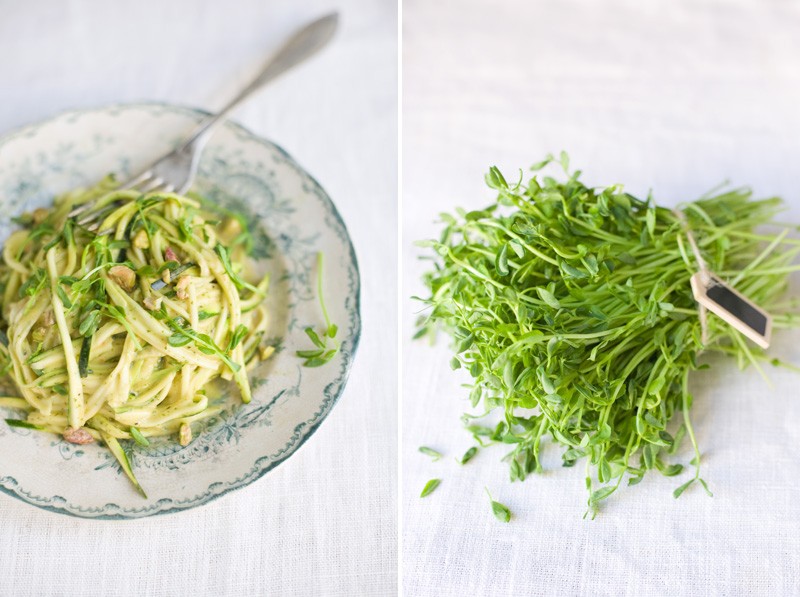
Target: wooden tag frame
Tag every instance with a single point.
(757, 329)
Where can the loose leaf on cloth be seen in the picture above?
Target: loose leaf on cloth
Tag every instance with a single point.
(430, 487)
(430, 452)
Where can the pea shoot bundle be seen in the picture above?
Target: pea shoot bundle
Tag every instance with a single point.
(571, 309)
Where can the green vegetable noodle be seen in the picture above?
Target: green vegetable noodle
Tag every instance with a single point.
(571, 309)
(123, 312)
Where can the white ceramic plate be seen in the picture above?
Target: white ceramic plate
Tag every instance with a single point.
(293, 218)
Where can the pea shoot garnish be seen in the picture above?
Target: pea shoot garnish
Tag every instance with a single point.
(325, 344)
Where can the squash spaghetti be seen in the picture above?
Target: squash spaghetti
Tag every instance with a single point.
(116, 320)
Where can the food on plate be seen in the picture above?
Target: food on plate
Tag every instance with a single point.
(125, 315)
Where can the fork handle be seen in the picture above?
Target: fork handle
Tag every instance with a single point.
(301, 46)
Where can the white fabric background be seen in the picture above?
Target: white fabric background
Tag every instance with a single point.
(673, 96)
(324, 522)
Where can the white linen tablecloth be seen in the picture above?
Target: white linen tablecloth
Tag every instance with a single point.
(673, 96)
(324, 522)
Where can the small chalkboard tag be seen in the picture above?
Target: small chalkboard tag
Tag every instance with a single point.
(732, 307)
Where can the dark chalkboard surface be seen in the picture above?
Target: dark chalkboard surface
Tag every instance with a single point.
(739, 307)
(733, 307)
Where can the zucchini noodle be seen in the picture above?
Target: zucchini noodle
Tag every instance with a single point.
(117, 322)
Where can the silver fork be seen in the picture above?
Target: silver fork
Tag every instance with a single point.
(176, 171)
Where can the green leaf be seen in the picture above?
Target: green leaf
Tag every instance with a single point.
(649, 456)
(430, 452)
(501, 261)
(480, 430)
(572, 272)
(138, 437)
(669, 470)
(517, 247)
(468, 455)
(314, 337)
(89, 323)
(650, 216)
(602, 493)
(495, 180)
(33, 285)
(238, 335)
(310, 354)
(655, 386)
(677, 493)
(321, 360)
(604, 471)
(501, 512)
(653, 421)
(178, 339)
(430, 487)
(548, 297)
(539, 165)
(677, 441)
(564, 159)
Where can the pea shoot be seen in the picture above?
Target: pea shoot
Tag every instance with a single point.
(500, 511)
(430, 487)
(571, 309)
(325, 344)
(435, 455)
